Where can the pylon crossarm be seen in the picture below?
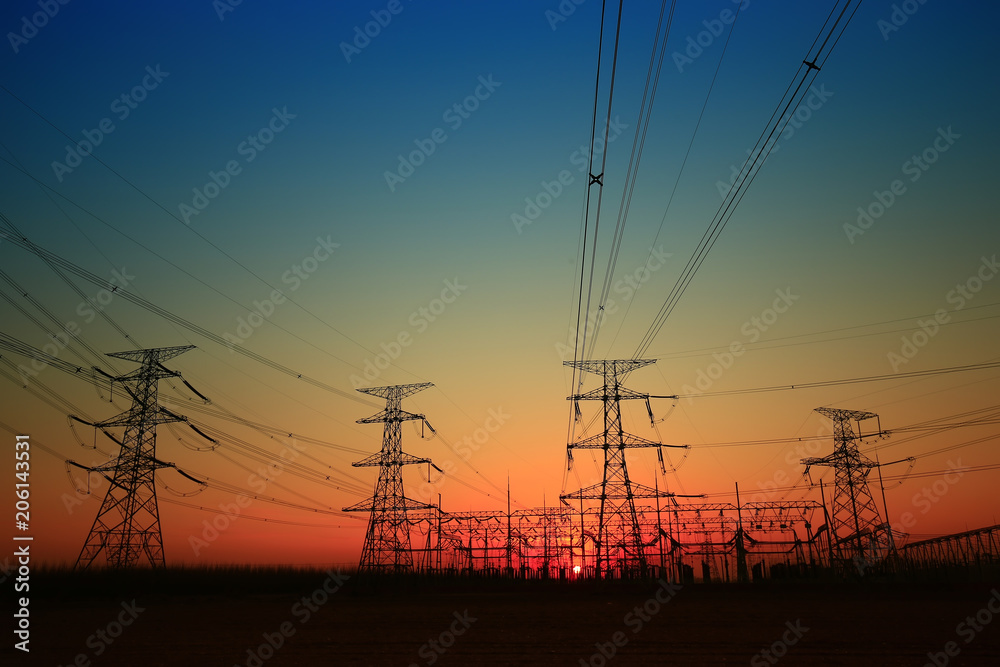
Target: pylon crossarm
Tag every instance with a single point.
(379, 459)
(643, 491)
(398, 392)
(629, 441)
(408, 459)
(599, 394)
(363, 506)
(159, 354)
(616, 368)
(390, 415)
(597, 441)
(159, 415)
(592, 492)
(816, 462)
(846, 415)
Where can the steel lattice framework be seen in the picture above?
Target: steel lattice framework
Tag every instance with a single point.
(387, 540)
(972, 547)
(127, 527)
(560, 542)
(618, 541)
(860, 535)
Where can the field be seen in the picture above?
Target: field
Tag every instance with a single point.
(238, 617)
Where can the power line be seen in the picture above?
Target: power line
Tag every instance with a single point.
(831, 383)
(187, 324)
(687, 154)
(194, 231)
(780, 117)
(635, 158)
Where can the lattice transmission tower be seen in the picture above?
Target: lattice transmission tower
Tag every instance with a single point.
(619, 543)
(387, 541)
(858, 534)
(127, 527)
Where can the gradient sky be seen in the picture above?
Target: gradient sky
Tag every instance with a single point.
(888, 95)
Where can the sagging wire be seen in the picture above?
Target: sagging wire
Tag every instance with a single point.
(204, 399)
(909, 469)
(172, 427)
(89, 470)
(430, 464)
(73, 480)
(73, 418)
(76, 436)
(423, 423)
(180, 494)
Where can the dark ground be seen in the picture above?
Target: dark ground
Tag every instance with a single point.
(214, 620)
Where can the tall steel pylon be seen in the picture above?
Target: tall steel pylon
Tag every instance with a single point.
(858, 534)
(619, 541)
(387, 541)
(127, 527)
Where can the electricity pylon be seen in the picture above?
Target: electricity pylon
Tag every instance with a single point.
(387, 541)
(127, 526)
(619, 540)
(858, 533)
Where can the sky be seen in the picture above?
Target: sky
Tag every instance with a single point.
(416, 191)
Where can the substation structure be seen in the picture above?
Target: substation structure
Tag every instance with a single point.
(684, 542)
(614, 528)
(973, 549)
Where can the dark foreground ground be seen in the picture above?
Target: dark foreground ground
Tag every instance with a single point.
(205, 622)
